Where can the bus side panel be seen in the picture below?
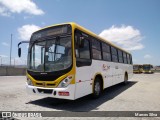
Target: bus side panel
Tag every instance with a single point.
(122, 69)
(107, 74)
(83, 81)
(86, 75)
(130, 72)
(105, 69)
(121, 72)
(108, 70)
(118, 72)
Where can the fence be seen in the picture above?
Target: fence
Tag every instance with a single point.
(12, 71)
(5, 61)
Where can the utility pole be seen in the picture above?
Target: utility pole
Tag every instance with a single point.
(11, 50)
(1, 60)
(14, 62)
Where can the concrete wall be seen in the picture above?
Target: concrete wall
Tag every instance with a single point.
(12, 71)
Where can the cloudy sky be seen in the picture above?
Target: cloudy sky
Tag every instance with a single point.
(133, 25)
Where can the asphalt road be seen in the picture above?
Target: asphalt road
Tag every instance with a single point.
(142, 93)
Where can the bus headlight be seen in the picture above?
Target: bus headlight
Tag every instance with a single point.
(65, 82)
(29, 82)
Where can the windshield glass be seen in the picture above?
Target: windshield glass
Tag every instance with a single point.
(135, 67)
(51, 55)
(147, 67)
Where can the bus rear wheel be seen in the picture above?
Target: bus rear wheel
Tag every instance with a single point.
(97, 88)
(125, 79)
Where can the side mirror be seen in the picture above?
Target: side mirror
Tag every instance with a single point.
(19, 49)
(81, 42)
(19, 52)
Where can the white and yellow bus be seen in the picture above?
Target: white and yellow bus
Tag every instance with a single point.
(67, 61)
(148, 68)
(137, 68)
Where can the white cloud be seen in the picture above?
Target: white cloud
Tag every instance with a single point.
(26, 30)
(127, 37)
(5, 44)
(147, 56)
(3, 12)
(18, 6)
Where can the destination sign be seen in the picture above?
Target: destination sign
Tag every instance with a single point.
(57, 30)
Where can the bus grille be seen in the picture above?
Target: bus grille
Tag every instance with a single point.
(49, 84)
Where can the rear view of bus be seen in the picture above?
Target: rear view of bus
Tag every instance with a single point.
(67, 61)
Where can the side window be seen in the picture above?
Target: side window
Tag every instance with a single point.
(84, 52)
(125, 57)
(77, 38)
(96, 49)
(120, 56)
(131, 59)
(128, 59)
(114, 54)
(106, 52)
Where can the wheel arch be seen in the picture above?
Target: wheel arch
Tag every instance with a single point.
(126, 75)
(98, 75)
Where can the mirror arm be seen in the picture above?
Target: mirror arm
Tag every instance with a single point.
(22, 42)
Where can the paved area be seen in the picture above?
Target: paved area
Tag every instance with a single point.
(142, 93)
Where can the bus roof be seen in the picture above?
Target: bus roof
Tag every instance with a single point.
(148, 64)
(137, 65)
(73, 24)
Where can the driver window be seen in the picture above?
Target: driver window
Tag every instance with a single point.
(84, 52)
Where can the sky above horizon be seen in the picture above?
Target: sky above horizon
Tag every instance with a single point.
(133, 25)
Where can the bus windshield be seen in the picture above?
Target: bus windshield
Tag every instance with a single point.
(146, 67)
(50, 55)
(135, 67)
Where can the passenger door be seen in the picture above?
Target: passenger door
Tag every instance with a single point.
(83, 66)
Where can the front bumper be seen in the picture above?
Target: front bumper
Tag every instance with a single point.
(148, 72)
(52, 92)
(137, 71)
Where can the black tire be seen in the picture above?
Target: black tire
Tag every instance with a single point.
(97, 88)
(125, 79)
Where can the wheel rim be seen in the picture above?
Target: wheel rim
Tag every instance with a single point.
(97, 88)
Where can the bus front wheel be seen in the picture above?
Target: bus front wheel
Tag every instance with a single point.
(97, 88)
